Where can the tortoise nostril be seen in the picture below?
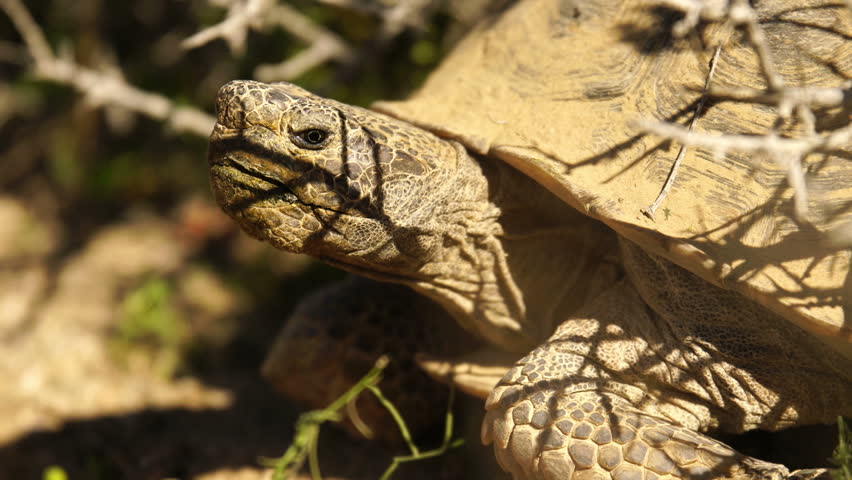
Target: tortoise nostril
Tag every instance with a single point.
(235, 100)
(245, 103)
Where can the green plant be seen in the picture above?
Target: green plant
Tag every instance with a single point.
(54, 472)
(304, 446)
(150, 322)
(843, 453)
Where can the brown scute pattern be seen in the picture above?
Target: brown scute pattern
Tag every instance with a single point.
(679, 456)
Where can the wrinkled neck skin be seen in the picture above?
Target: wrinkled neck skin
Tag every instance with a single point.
(508, 259)
(387, 200)
(557, 258)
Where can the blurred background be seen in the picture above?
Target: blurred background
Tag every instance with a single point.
(134, 315)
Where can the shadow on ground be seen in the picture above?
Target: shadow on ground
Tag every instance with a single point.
(154, 444)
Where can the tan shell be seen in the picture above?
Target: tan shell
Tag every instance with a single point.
(554, 88)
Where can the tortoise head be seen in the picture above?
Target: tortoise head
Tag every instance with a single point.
(308, 174)
(390, 201)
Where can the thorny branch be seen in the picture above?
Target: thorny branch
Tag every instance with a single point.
(245, 15)
(789, 153)
(242, 16)
(99, 87)
(323, 44)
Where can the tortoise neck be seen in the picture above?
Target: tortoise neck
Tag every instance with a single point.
(511, 261)
(558, 258)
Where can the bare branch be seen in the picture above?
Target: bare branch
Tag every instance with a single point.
(742, 14)
(243, 15)
(318, 53)
(100, 87)
(299, 25)
(773, 145)
(324, 44)
(406, 13)
(786, 152)
(360, 6)
(737, 12)
(31, 33)
(695, 11)
(788, 98)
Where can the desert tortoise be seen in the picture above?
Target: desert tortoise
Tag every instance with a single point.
(510, 188)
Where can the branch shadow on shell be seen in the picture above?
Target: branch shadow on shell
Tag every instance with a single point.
(758, 239)
(752, 243)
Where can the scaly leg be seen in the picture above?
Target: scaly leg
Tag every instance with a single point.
(621, 391)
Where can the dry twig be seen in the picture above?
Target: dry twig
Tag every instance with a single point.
(101, 88)
(405, 14)
(323, 44)
(246, 15)
(788, 98)
(789, 153)
(769, 144)
(397, 16)
(243, 15)
(651, 211)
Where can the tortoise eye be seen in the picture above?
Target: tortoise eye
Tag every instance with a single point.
(311, 138)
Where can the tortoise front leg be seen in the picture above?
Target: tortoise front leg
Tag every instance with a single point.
(586, 435)
(618, 393)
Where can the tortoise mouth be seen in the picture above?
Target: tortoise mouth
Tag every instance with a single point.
(231, 168)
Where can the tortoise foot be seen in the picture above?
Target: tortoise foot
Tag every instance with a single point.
(590, 435)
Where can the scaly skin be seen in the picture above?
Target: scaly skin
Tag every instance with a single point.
(620, 390)
(336, 334)
(380, 198)
(643, 357)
